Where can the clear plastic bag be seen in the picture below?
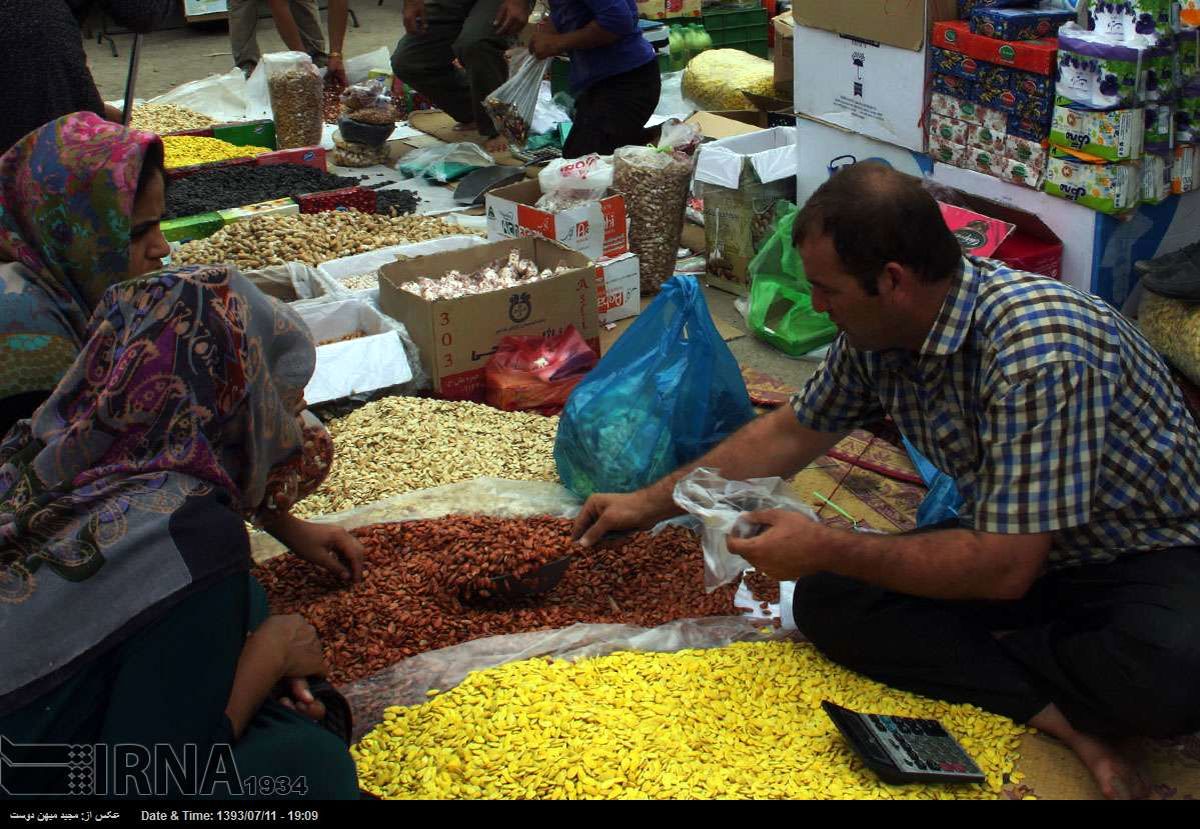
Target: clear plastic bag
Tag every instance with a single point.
(571, 181)
(445, 162)
(513, 104)
(720, 504)
(655, 182)
(369, 102)
(297, 95)
(294, 281)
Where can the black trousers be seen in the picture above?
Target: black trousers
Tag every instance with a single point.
(613, 112)
(1115, 646)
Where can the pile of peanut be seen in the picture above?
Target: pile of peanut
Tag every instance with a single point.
(311, 238)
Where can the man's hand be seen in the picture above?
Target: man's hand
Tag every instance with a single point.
(327, 546)
(512, 17)
(546, 43)
(789, 546)
(336, 68)
(414, 17)
(607, 513)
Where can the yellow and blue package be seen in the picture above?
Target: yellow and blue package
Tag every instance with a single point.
(665, 393)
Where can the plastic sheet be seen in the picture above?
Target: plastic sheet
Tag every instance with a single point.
(408, 682)
(444, 163)
(720, 505)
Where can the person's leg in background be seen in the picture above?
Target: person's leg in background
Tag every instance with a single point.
(308, 20)
(243, 23)
(481, 51)
(613, 112)
(425, 60)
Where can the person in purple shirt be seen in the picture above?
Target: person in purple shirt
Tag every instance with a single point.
(614, 72)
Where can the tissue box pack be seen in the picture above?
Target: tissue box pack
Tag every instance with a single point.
(966, 7)
(1187, 116)
(949, 129)
(1183, 170)
(1032, 84)
(1020, 172)
(1018, 24)
(1160, 127)
(985, 138)
(945, 151)
(1108, 188)
(1111, 136)
(1014, 103)
(1098, 74)
(1187, 58)
(1159, 75)
(968, 111)
(985, 161)
(992, 76)
(949, 62)
(1132, 18)
(1156, 178)
(1028, 55)
(1026, 128)
(954, 86)
(1028, 152)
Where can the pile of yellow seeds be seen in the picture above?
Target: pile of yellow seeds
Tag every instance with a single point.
(743, 721)
(186, 150)
(399, 444)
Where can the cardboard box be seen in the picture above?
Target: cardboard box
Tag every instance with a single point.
(1038, 56)
(945, 151)
(1018, 24)
(865, 86)
(979, 235)
(903, 25)
(597, 229)
(618, 288)
(457, 337)
(726, 124)
(248, 133)
(307, 156)
(1108, 188)
(949, 129)
(373, 360)
(785, 53)
(741, 180)
(189, 228)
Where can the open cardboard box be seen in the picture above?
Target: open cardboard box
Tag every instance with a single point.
(374, 360)
(457, 337)
(597, 229)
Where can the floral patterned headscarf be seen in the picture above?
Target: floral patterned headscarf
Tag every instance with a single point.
(190, 383)
(66, 208)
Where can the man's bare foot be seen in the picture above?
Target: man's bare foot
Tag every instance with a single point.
(464, 126)
(495, 145)
(1116, 778)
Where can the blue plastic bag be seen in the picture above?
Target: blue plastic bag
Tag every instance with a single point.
(667, 392)
(943, 501)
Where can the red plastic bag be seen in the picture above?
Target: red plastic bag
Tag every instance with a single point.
(530, 373)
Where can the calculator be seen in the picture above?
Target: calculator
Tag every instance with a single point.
(904, 749)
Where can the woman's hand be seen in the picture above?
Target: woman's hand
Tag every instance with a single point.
(327, 546)
(297, 696)
(282, 648)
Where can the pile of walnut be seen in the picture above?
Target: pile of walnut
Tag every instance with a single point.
(497, 276)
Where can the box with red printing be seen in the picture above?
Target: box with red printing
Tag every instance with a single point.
(357, 198)
(596, 228)
(1038, 56)
(308, 156)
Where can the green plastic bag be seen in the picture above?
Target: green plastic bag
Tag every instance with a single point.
(781, 311)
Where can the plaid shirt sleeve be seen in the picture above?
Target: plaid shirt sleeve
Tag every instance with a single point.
(839, 396)
(1042, 438)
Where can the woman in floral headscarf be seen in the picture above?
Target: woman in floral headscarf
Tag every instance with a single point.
(123, 550)
(80, 204)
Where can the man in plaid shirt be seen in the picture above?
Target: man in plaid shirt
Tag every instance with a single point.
(1069, 597)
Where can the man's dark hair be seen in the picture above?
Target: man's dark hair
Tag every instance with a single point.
(153, 162)
(875, 215)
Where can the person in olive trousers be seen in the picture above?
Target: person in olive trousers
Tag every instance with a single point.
(477, 33)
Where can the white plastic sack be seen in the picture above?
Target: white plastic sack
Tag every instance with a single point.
(293, 282)
(566, 181)
(359, 68)
(222, 97)
(671, 103)
(720, 504)
(548, 114)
